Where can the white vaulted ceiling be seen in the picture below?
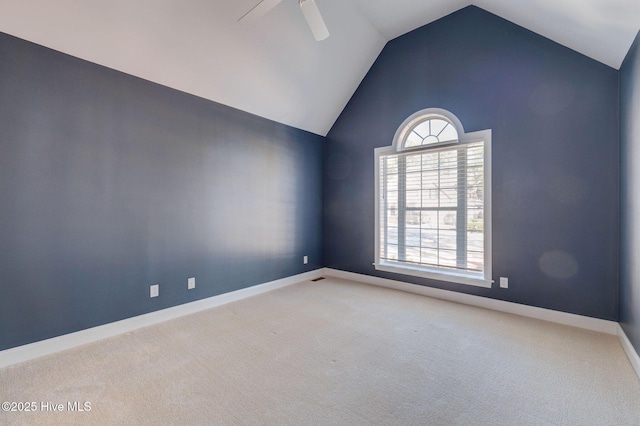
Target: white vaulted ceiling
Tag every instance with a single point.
(274, 68)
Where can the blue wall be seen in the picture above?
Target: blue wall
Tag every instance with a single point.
(630, 194)
(109, 184)
(554, 115)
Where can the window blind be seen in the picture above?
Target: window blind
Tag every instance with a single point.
(432, 208)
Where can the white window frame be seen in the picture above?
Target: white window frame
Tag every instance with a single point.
(483, 279)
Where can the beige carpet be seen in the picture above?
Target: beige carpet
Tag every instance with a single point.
(338, 353)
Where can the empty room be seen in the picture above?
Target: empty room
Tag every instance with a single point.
(340, 212)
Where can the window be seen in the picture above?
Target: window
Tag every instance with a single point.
(433, 201)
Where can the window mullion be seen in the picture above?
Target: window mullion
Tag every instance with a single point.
(402, 208)
(385, 206)
(439, 193)
(461, 216)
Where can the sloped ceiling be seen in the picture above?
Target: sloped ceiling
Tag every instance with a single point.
(274, 68)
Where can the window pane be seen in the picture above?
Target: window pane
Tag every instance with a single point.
(429, 179)
(429, 257)
(430, 198)
(447, 239)
(413, 254)
(451, 184)
(447, 219)
(391, 163)
(448, 258)
(392, 182)
(392, 235)
(475, 220)
(448, 181)
(414, 181)
(448, 197)
(392, 252)
(429, 238)
(437, 126)
(430, 161)
(429, 219)
(475, 155)
(413, 163)
(475, 241)
(414, 198)
(422, 129)
(412, 237)
(413, 219)
(449, 159)
(475, 261)
(392, 195)
(475, 196)
(475, 175)
(392, 215)
(423, 217)
(448, 134)
(413, 140)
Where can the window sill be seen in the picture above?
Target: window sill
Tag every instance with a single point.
(435, 275)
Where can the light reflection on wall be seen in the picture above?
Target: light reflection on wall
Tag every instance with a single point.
(558, 264)
(255, 193)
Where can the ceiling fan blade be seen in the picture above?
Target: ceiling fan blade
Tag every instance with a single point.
(258, 11)
(314, 19)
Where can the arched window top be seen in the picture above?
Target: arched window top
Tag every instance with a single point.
(430, 130)
(428, 127)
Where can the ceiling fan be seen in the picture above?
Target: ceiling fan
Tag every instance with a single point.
(309, 10)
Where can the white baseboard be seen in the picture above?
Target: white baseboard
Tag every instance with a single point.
(71, 340)
(634, 359)
(595, 324)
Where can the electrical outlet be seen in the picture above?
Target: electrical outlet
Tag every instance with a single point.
(154, 290)
(504, 282)
(191, 283)
(305, 260)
